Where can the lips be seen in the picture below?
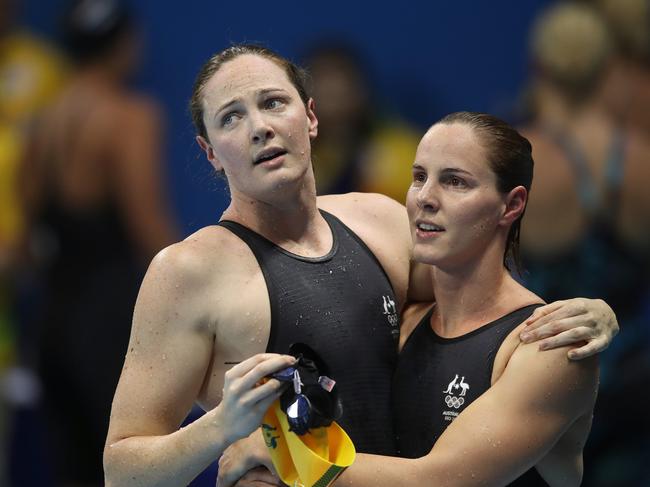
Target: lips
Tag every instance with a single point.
(268, 154)
(429, 227)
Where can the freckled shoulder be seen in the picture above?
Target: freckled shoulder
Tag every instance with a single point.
(187, 275)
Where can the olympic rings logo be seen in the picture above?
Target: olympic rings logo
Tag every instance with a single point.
(454, 402)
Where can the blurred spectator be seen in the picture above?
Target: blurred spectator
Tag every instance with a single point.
(587, 231)
(31, 74)
(357, 148)
(627, 87)
(97, 212)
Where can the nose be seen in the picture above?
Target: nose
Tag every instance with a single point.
(427, 199)
(261, 130)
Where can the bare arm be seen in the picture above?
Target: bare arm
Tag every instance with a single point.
(589, 323)
(169, 353)
(506, 431)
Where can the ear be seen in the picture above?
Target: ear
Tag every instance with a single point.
(313, 121)
(209, 152)
(515, 204)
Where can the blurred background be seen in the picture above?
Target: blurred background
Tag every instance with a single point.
(99, 170)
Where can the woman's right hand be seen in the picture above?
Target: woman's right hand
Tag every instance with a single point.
(245, 399)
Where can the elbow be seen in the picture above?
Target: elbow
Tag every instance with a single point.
(111, 462)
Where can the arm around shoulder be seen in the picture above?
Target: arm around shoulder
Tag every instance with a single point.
(509, 429)
(540, 398)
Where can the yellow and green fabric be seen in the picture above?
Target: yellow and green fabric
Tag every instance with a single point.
(314, 459)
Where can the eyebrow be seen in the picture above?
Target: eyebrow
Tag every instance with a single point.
(447, 170)
(264, 91)
(454, 170)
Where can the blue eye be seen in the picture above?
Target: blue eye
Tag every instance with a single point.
(227, 119)
(274, 103)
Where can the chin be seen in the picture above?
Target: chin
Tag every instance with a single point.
(426, 256)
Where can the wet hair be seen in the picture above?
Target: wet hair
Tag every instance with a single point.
(91, 28)
(510, 158)
(297, 76)
(571, 45)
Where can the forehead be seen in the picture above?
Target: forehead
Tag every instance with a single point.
(452, 145)
(244, 76)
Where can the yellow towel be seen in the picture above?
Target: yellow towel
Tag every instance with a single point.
(314, 459)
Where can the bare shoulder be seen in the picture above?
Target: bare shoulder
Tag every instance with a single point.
(203, 255)
(359, 206)
(554, 382)
(181, 273)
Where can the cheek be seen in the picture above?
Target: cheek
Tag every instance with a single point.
(411, 201)
(228, 149)
(476, 213)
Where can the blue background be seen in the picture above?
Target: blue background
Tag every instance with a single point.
(426, 59)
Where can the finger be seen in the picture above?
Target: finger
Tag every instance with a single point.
(265, 368)
(270, 390)
(591, 348)
(258, 476)
(261, 474)
(569, 337)
(227, 478)
(542, 313)
(264, 404)
(564, 309)
(553, 328)
(250, 363)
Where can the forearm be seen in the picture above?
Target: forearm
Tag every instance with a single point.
(167, 460)
(377, 471)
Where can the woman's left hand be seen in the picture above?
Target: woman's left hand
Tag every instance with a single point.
(589, 323)
(247, 463)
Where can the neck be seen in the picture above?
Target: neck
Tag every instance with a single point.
(476, 293)
(288, 216)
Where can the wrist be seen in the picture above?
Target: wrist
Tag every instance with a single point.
(221, 428)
